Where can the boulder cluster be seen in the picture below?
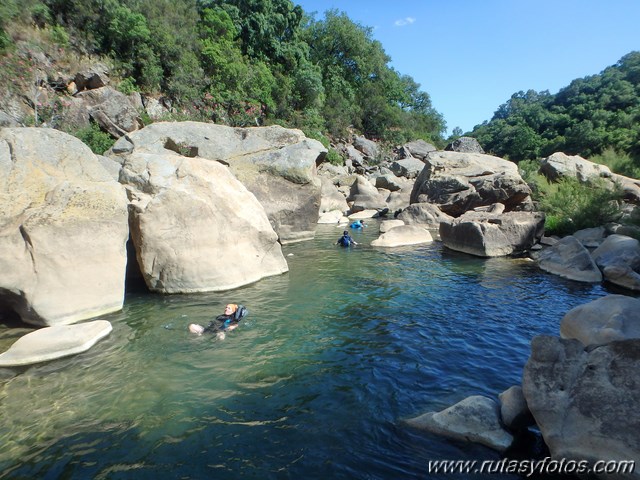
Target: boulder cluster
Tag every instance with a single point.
(193, 207)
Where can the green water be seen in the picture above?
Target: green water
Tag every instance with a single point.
(313, 384)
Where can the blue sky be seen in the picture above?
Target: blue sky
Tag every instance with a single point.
(470, 56)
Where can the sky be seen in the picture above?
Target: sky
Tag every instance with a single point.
(471, 56)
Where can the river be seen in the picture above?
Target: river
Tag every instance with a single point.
(314, 384)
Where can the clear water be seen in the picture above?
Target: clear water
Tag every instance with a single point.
(314, 384)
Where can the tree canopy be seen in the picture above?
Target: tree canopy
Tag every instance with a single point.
(586, 118)
(245, 62)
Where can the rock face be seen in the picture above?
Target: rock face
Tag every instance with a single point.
(610, 318)
(475, 419)
(489, 235)
(195, 227)
(63, 229)
(277, 165)
(458, 182)
(54, 342)
(568, 258)
(585, 402)
(619, 259)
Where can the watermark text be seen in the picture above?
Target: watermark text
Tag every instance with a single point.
(529, 468)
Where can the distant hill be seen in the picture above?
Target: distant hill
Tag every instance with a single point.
(590, 116)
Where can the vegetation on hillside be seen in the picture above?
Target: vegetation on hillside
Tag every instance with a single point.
(240, 62)
(595, 115)
(262, 62)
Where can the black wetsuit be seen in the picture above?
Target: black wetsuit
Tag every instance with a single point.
(222, 322)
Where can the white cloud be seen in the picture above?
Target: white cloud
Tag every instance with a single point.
(404, 21)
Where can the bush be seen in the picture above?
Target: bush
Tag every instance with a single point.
(97, 140)
(620, 163)
(570, 206)
(334, 158)
(127, 86)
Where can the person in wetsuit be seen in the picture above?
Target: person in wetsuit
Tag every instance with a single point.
(228, 321)
(345, 240)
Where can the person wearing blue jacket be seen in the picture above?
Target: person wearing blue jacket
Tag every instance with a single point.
(358, 224)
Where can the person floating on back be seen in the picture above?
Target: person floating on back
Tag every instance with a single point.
(228, 321)
(345, 240)
(358, 224)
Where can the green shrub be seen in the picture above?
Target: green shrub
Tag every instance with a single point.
(59, 36)
(97, 140)
(571, 206)
(334, 158)
(620, 163)
(127, 86)
(5, 41)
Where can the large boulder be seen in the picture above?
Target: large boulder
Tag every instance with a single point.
(619, 259)
(195, 227)
(475, 419)
(560, 165)
(277, 165)
(568, 258)
(585, 401)
(458, 182)
(492, 235)
(610, 318)
(63, 229)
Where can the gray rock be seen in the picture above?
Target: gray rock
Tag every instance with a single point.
(591, 237)
(474, 419)
(96, 76)
(63, 229)
(275, 164)
(195, 227)
(513, 409)
(50, 343)
(561, 165)
(364, 196)
(419, 148)
(407, 167)
(368, 147)
(568, 258)
(112, 110)
(424, 214)
(610, 318)
(458, 182)
(465, 145)
(585, 402)
(403, 235)
(488, 235)
(619, 259)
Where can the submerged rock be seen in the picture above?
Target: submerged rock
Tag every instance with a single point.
(54, 342)
(474, 419)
